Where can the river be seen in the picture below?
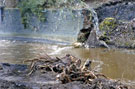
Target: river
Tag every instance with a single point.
(114, 63)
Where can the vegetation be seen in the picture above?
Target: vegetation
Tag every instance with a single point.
(30, 7)
(35, 7)
(108, 24)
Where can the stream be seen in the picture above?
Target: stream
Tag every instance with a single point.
(114, 63)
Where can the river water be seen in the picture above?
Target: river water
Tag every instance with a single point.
(115, 63)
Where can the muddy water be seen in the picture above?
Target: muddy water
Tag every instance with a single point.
(115, 63)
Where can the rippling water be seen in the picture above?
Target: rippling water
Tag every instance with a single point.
(115, 63)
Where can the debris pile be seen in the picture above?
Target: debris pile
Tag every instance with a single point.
(69, 69)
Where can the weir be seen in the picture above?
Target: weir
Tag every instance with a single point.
(60, 25)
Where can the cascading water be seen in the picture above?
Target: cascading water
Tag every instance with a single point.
(95, 21)
(94, 18)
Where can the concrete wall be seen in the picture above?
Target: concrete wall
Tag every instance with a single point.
(11, 21)
(62, 25)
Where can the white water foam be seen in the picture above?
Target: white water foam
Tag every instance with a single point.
(58, 50)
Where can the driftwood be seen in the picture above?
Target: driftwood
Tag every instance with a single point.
(69, 69)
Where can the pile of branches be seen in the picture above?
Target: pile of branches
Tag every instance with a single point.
(70, 68)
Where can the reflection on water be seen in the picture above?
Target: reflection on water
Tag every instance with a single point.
(114, 63)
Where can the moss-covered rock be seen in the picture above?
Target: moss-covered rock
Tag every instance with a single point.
(108, 24)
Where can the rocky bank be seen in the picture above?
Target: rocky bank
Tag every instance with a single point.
(116, 26)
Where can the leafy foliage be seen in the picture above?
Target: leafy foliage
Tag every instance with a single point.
(35, 7)
(30, 7)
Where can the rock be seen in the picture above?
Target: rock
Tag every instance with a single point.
(116, 24)
(118, 33)
(87, 26)
(92, 40)
(104, 44)
(77, 45)
(83, 35)
(118, 9)
(133, 24)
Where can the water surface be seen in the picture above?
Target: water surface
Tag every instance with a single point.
(115, 63)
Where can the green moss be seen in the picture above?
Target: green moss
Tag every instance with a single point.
(108, 24)
(127, 44)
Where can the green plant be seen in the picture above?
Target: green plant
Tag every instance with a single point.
(29, 8)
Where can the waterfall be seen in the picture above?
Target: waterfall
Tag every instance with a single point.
(93, 39)
(95, 20)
